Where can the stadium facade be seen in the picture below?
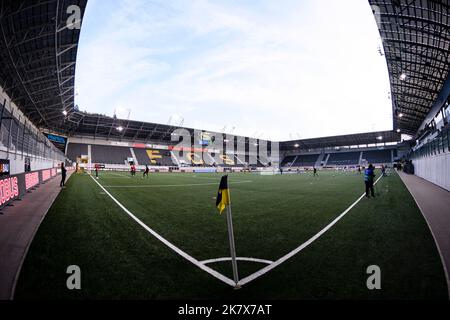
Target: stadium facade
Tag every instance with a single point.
(38, 58)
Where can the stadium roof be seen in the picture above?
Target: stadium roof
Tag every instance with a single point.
(38, 57)
(345, 140)
(416, 41)
(102, 126)
(38, 50)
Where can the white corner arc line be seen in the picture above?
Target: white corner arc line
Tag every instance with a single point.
(237, 258)
(191, 259)
(264, 270)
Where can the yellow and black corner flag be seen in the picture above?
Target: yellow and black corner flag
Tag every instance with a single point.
(223, 196)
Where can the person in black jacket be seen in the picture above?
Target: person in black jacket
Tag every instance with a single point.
(147, 170)
(63, 175)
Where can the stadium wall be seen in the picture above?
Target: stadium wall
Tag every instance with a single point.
(19, 148)
(435, 169)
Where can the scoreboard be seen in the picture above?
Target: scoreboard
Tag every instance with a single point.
(59, 141)
(4, 167)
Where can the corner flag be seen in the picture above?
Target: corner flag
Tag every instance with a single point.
(223, 196)
(224, 202)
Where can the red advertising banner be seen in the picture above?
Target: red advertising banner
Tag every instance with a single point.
(31, 180)
(46, 175)
(9, 190)
(13, 187)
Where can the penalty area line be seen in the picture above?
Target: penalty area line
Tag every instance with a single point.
(275, 264)
(191, 259)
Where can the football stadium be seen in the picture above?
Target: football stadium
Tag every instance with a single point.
(97, 206)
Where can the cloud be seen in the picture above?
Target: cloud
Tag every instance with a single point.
(308, 67)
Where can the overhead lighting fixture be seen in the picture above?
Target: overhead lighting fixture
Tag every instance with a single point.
(380, 138)
(403, 77)
(64, 112)
(400, 115)
(296, 145)
(398, 130)
(120, 128)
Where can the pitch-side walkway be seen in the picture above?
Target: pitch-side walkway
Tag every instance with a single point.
(18, 225)
(434, 202)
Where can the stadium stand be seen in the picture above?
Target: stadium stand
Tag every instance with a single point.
(261, 164)
(288, 161)
(153, 157)
(239, 161)
(377, 156)
(343, 159)
(76, 150)
(110, 154)
(264, 160)
(306, 160)
(232, 161)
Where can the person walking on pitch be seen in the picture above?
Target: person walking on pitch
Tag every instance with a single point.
(383, 170)
(147, 170)
(369, 176)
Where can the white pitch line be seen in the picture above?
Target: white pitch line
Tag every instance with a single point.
(191, 259)
(123, 177)
(117, 175)
(175, 185)
(301, 247)
(238, 258)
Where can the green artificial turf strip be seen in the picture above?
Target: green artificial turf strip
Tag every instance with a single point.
(272, 216)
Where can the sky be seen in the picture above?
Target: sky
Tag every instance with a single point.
(275, 70)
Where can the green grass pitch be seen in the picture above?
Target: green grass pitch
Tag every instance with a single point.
(272, 216)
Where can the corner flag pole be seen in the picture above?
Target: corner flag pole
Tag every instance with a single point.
(223, 201)
(232, 247)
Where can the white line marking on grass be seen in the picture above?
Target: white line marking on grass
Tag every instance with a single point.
(237, 258)
(117, 175)
(191, 259)
(103, 177)
(175, 185)
(301, 247)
